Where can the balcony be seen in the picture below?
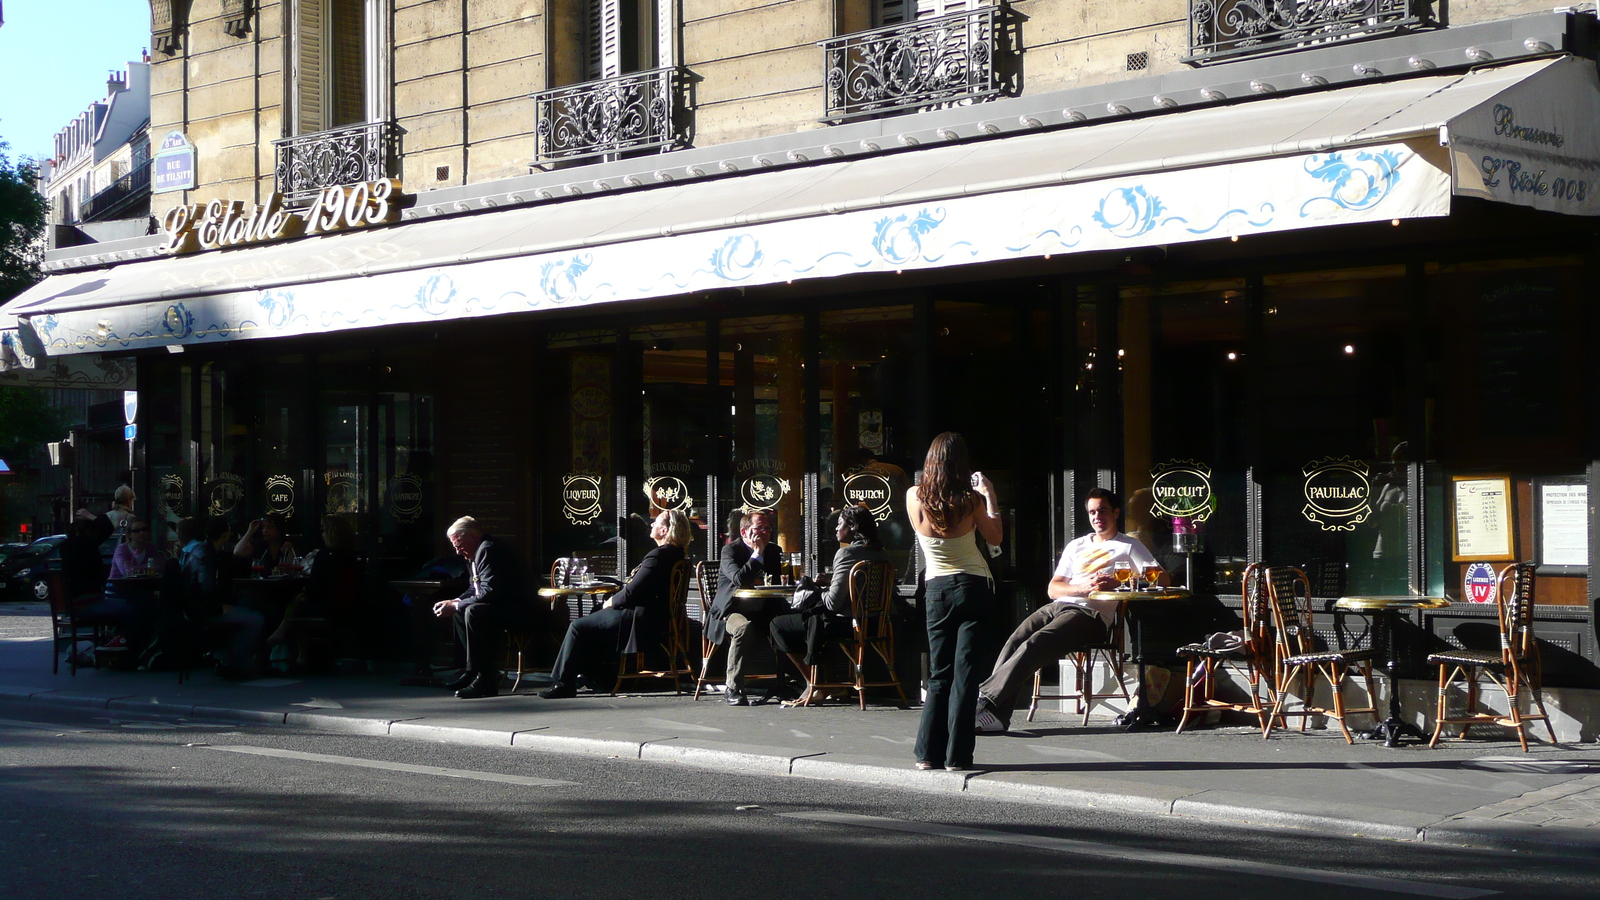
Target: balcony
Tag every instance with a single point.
(639, 111)
(966, 57)
(118, 196)
(1229, 29)
(307, 163)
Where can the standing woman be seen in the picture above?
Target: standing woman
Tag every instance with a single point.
(949, 504)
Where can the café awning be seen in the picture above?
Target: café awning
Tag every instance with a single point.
(1526, 133)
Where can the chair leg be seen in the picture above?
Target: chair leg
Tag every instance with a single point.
(1445, 677)
(1336, 674)
(1033, 706)
(1188, 693)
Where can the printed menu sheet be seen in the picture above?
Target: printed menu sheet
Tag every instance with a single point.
(1483, 518)
(1564, 524)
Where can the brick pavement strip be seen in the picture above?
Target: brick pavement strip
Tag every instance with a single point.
(1575, 804)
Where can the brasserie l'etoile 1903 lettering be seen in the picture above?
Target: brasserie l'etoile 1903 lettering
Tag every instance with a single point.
(232, 223)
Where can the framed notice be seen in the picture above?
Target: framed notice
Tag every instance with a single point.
(1484, 526)
(1561, 525)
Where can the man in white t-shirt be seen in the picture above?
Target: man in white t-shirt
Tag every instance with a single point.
(1073, 620)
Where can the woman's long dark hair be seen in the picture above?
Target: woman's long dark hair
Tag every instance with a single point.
(863, 527)
(946, 487)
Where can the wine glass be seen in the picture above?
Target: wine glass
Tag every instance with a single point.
(1123, 569)
(258, 569)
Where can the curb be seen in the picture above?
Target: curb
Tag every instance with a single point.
(1223, 807)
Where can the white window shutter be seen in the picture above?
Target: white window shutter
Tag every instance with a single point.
(604, 39)
(310, 74)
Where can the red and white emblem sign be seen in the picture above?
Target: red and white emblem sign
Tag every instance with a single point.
(1479, 584)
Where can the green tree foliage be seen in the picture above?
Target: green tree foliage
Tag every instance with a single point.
(26, 417)
(22, 214)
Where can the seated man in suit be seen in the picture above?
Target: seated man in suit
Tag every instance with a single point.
(744, 563)
(496, 599)
(634, 620)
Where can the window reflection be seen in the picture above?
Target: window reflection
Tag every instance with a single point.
(762, 362)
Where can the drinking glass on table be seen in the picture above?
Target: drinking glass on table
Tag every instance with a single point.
(1152, 574)
(258, 569)
(1123, 569)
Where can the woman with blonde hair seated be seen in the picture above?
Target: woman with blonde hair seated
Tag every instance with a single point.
(632, 620)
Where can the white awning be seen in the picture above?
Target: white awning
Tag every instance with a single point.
(1359, 154)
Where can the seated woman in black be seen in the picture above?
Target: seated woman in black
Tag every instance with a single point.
(809, 631)
(633, 620)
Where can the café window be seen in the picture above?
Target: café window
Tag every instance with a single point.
(280, 483)
(1184, 366)
(579, 435)
(675, 424)
(1335, 465)
(762, 361)
(404, 459)
(223, 448)
(865, 407)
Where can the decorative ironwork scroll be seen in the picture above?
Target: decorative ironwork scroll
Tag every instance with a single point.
(1226, 29)
(307, 163)
(638, 111)
(965, 57)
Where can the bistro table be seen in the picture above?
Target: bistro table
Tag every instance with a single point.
(1141, 714)
(426, 639)
(1385, 611)
(143, 594)
(763, 602)
(596, 592)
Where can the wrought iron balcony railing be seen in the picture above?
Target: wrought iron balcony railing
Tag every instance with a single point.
(638, 111)
(965, 57)
(307, 163)
(118, 195)
(1229, 29)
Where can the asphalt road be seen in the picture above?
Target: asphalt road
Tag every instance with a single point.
(118, 806)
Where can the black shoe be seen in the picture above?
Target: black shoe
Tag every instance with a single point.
(460, 682)
(737, 698)
(559, 691)
(485, 685)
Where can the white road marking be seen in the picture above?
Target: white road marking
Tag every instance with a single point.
(1157, 857)
(524, 780)
(320, 703)
(270, 682)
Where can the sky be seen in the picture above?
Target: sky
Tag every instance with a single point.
(54, 58)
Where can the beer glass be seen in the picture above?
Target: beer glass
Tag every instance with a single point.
(1123, 569)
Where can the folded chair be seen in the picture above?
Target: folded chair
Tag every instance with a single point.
(1300, 661)
(871, 604)
(1515, 668)
(1251, 659)
(675, 644)
(1110, 651)
(67, 629)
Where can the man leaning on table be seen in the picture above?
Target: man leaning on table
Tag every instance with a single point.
(744, 563)
(1073, 620)
(496, 599)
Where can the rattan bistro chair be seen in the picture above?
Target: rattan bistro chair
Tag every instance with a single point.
(871, 606)
(1515, 668)
(1112, 651)
(705, 575)
(1300, 660)
(1251, 660)
(676, 643)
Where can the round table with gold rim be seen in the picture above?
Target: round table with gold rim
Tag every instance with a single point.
(596, 593)
(1385, 610)
(1140, 714)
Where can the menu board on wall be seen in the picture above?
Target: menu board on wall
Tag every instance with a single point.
(1561, 520)
(1483, 517)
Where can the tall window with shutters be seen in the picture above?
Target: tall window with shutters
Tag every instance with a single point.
(615, 86)
(337, 127)
(335, 50)
(896, 12)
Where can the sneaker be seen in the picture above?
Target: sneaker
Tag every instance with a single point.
(987, 722)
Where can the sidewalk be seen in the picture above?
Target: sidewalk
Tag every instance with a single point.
(1484, 794)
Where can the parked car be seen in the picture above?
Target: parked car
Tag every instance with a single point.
(7, 550)
(22, 572)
